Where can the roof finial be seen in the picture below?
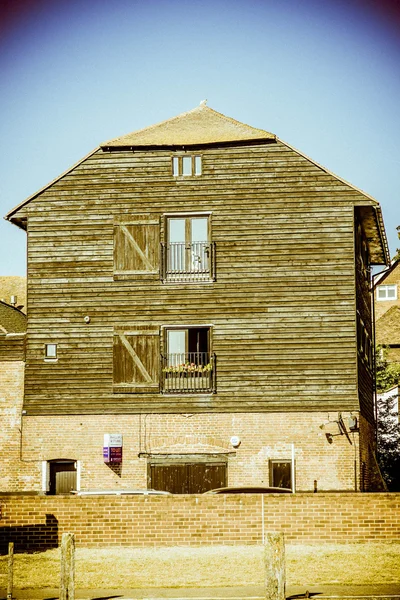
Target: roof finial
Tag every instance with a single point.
(203, 102)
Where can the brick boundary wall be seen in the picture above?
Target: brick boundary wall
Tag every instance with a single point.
(37, 522)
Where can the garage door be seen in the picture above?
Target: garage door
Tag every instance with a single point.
(187, 478)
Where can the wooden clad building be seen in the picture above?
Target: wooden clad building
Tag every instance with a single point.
(203, 276)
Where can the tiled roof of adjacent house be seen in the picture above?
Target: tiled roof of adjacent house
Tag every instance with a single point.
(13, 285)
(202, 125)
(387, 327)
(12, 320)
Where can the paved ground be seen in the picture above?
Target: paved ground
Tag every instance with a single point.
(382, 592)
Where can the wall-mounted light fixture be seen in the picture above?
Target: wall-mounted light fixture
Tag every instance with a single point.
(342, 429)
(235, 441)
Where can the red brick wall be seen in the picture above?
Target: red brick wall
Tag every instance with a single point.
(196, 520)
(264, 436)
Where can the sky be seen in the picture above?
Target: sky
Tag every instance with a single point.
(323, 75)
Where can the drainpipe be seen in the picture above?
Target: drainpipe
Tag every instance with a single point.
(374, 362)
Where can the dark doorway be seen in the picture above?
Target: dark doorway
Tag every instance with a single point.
(62, 476)
(187, 477)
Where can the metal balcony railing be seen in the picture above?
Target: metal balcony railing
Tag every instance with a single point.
(188, 373)
(188, 261)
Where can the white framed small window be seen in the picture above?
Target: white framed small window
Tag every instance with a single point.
(186, 165)
(387, 292)
(50, 351)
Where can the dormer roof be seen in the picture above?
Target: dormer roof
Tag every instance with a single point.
(199, 126)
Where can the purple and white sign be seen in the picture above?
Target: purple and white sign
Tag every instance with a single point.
(112, 448)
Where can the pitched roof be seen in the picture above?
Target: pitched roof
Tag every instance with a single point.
(379, 278)
(12, 320)
(205, 126)
(387, 327)
(202, 125)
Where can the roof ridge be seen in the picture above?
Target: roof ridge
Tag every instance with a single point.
(150, 127)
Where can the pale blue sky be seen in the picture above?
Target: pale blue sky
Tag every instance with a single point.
(323, 75)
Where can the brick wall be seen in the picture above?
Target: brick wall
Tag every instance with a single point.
(264, 436)
(37, 522)
(16, 474)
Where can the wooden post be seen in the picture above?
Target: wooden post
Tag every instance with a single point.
(274, 557)
(10, 576)
(67, 573)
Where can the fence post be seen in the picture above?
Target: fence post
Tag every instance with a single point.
(10, 576)
(67, 572)
(274, 558)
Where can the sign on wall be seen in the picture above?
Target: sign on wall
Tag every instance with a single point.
(112, 448)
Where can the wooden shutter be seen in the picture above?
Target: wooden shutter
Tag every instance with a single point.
(136, 246)
(137, 360)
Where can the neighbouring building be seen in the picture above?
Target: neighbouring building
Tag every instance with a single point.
(14, 474)
(387, 311)
(387, 331)
(199, 315)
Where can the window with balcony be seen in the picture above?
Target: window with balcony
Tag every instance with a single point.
(387, 292)
(188, 253)
(188, 366)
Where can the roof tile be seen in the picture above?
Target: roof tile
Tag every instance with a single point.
(202, 125)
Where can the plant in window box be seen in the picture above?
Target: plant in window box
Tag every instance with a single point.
(185, 369)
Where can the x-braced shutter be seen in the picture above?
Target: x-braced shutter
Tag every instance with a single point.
(137, 359)
(136, 246)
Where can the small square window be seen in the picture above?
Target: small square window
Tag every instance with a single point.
(387, 292)
(50, 351)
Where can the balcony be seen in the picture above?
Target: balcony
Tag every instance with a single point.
(194, 261)
(188, 373)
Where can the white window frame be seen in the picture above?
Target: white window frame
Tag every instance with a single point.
(385, 289)
(196, 166)
(50, 357)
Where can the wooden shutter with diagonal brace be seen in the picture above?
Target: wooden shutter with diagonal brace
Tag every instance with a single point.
(137, 359)
(136, 246)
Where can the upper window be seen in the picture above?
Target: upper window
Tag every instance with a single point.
(186, 165)
(387, 292)
(188, 252)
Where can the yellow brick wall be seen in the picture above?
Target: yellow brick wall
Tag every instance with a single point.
(263, 436)
(15, 475)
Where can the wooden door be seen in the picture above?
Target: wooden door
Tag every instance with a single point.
(187, 478)
(62, 477)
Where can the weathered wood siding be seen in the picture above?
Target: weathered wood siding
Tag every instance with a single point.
(282, 308)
